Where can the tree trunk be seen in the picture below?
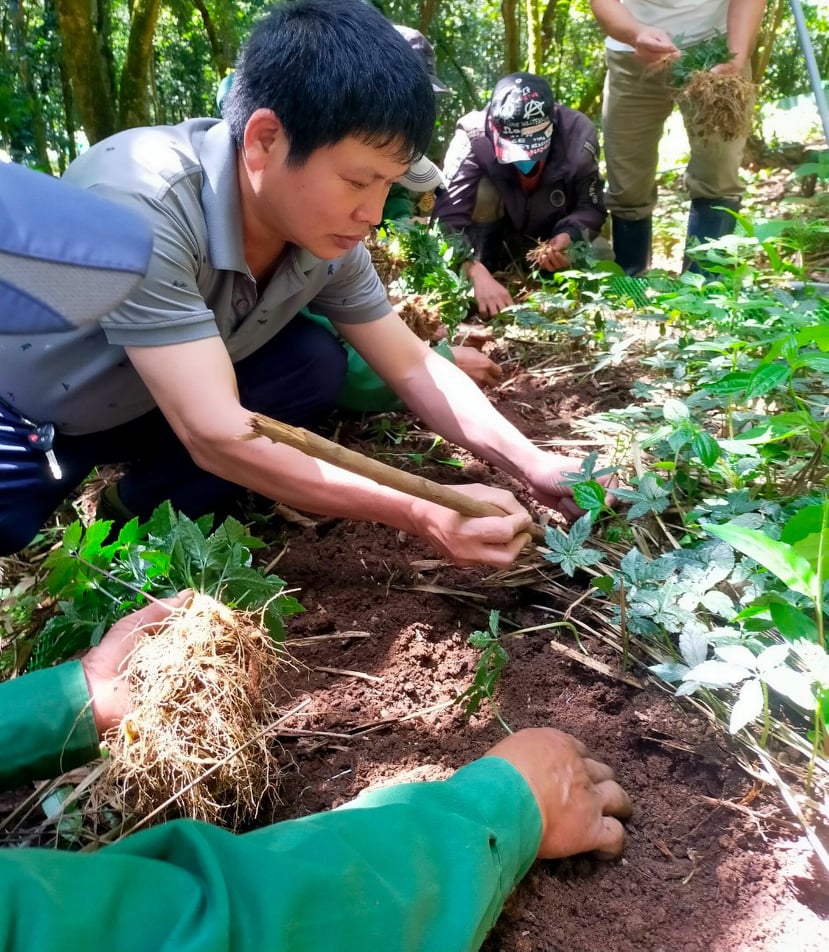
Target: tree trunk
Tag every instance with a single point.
(224, 44)
(548, 22)
(86, 62)
(426, 10)
(512, 39)
(135, 77)
(38, 125)
(765, 39)
(535, 53)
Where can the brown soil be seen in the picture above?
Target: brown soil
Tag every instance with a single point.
(713, 862)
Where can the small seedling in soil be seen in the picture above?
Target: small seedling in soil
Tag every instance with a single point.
(195, 742)
(487, 671)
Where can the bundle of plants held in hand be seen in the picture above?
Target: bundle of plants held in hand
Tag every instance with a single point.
(719, 104)
(202, 686)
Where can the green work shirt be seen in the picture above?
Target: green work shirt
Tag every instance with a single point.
(421, 867)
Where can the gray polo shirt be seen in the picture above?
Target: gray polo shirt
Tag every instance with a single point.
(184, 180)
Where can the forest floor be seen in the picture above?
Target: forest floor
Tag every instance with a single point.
(713, 861)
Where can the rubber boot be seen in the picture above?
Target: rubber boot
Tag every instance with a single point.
(708, 220)
(632, 244)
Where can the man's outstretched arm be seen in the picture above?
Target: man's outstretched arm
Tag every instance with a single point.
(456, 409)
(194, 384)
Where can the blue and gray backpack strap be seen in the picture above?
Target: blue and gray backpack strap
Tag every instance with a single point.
(67, 256)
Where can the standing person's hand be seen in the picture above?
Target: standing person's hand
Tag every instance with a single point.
(492, 297)
(733, 67)
(579, 800)
(103, 664)
(654, 45)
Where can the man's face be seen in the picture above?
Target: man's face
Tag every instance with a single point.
(327, 205)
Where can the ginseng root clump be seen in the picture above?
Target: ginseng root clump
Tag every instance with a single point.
(420, 317)
(195, 741)
(720, 106)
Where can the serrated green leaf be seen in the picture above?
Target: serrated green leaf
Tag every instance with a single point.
(675, 411)
(793, 685)
(718, 603)
(479, 639)
(737, 655)
(688, 687)
(780, 559)
(771, 657)
(717, 674)
(93, 538)
(589, 495)
(72, 536)
(580, 530)
(693, 645)
(671, 671)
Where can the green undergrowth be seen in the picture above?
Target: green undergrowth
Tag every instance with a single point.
(96, 579)
(716, 554)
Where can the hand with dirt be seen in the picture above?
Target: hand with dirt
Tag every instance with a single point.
(552, 256)
(492, 297)
(547, 485)
(654, 46)
(475, 540)
(477, 366)
(577, 796)
(103, 664)
(734, 67)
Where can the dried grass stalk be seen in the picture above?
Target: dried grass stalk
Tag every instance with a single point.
(201, 695)
(538, 254)
(720, 106)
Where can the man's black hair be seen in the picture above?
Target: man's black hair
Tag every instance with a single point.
(331, 69)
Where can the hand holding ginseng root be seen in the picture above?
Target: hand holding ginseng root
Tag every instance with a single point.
(183, 693)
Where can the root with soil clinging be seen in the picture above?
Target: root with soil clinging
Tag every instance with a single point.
(200, 691)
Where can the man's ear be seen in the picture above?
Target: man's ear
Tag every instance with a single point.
(264, 138)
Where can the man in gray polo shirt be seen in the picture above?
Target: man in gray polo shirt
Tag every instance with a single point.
(253, 217)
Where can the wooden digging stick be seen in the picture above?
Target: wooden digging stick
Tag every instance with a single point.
(320, 448)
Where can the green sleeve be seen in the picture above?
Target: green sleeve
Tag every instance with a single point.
(399, 204)
(47, 725)
(415, 868)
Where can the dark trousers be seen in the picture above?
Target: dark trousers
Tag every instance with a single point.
(295, 378)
